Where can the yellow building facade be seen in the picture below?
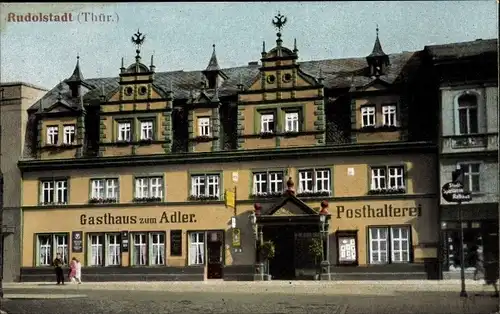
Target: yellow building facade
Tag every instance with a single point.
(136, 177)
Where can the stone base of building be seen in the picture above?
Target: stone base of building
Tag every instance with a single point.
(107, 274)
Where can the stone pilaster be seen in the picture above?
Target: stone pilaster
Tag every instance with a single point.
(403, 119)
(80, 135)
(319, 123)
(102, 136)
(39, 135)
(191, 130)
(240, 141)
(353, 121)
(216, 129)
(166, 132)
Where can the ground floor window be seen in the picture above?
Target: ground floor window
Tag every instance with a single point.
(196, 248)
(49, 245)
(389, 244)
(148, 248)
(104, 249)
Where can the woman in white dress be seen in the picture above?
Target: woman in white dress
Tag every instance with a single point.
(78, 271)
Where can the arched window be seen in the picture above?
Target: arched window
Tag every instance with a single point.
(467, 114)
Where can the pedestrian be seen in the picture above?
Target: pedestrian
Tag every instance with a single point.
(479, 262)
(72, 270)
(491, 271)
(78, 271)
(58, 264)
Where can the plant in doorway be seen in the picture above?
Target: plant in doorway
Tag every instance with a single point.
(267, 250)
(316, 252)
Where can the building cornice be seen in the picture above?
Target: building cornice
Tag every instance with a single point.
(230, 156)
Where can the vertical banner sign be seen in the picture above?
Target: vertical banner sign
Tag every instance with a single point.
(124, 237)
(230, 199)
(236, 238)
(77, 242)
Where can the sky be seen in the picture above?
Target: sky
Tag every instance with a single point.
(181, 35)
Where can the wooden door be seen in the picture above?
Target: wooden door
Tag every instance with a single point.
(215, 256)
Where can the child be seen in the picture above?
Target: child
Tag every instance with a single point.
(72, 269)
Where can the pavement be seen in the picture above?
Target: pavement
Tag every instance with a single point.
(332, 297)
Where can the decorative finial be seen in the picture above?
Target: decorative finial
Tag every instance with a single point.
(320, 77)
(152, 66)
(279, 21)
(213, 46)
(240, 84)
(295, 45)
(138, 40)
(77, 56)
(377, 30)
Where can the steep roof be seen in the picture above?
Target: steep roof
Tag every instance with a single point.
(337, 73)
(463, 49)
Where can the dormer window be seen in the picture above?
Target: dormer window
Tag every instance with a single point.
(52, 135)
(124, 131)
(389, 115)
(267, 123)
(212, 82)
(204, 127)
(368, 116)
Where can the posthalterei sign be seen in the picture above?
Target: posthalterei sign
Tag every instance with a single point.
(110, 219)
(386, 210)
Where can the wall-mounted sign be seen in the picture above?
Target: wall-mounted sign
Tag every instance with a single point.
(77, 242)
(388, 210)
(110, 219)
(455, 193)
(236, 237)
(347, 249)
(176, 242)
(124, 238)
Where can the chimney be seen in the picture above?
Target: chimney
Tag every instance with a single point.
(253, 63)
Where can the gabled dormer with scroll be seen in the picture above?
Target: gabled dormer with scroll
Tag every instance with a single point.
(284, 107)
(136, 119)
(61, 116)
(377, 114)
(203, 106)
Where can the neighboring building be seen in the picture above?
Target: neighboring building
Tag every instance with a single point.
(467, 76)
(132, 171)
(15, 99)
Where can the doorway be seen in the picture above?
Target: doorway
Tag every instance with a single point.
(215, 254)
(282, 266)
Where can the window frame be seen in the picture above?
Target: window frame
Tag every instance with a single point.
(390, 244)
(295, 121)
(105, 189)
(53, 248)
(314, 180)
(204, 126)
(390, 111)
(54, 191)
(143, 121)
(468, 175)
(373, 179)
(149, 186)
(121, 122)
(71, 134)
(365, 111)
(149, 248)
(52, 138)
(268, 174)
(205, 185)
(264, 121)
(89, 249)
(467, 109)
(203, 243)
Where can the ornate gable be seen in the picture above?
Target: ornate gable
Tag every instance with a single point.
(290, 206)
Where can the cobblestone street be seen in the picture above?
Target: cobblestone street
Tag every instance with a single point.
(267, 297)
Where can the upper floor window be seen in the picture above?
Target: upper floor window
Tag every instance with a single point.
(54, 192)
(69, 134)
(205, 186)
(314, 181)
(270, 182)
(124, 131)
(104, 189)
(387, 178)
(389, 115)
(467, 114)
(368, 116)
(146, 130)
(291, 122)
(471, 176)
(149, 188)
(267, 123)
(204, 127)
(52, 135)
